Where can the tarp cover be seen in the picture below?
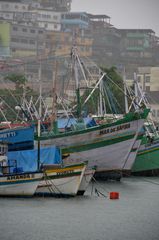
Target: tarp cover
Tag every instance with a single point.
(27, 159)
(64, 122)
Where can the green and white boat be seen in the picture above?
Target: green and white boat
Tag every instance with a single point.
(147, 159)
(110, 147)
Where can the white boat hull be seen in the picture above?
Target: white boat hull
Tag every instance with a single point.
(61, 182)
(109, 147)
(19, 184)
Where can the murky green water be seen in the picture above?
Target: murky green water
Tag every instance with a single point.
(135, 216)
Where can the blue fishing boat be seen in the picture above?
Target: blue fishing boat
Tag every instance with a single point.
(18, 138)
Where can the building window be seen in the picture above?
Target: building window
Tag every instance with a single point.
(157, 113)
(139, 78)
(14, 39)
(147, 79)
(32, 30)
(15, 28)
(32, 42)
(147, 88)
(40, 32)
(24, 30)
(24, 41)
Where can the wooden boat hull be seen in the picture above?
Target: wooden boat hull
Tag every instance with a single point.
(147, 159)
(109, 147)
(61, 181)
(22, 184)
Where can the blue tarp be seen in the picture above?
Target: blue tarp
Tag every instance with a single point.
(64, 122)
(27, 159)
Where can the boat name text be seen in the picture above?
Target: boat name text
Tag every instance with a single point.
(65, 172)
(7, 135)
(114, 129)
(24, 176)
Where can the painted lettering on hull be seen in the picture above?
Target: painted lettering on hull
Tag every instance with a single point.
(115, 129)
(24, 176)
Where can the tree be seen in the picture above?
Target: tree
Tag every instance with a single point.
(114, 94)
(115, 82)
(12, 98)
(18, 79)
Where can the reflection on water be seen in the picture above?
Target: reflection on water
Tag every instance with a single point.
(93, 216)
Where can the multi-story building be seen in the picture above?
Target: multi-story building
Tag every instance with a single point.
(74, 20)
(148, 78)
(106, 40)
(137, 46)
(13, 6)
(49, 20)
(78, 24)
(27, 40)
(56, 5)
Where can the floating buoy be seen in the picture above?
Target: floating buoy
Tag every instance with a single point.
(114, 195)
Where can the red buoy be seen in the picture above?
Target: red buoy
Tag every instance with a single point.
(114, 195)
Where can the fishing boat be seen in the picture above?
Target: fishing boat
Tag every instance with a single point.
(19, 184)
(108, 146)
(16, 183)
(61, 180)
(147, 160)
(58, 180)
(111, 146)
(18, 137)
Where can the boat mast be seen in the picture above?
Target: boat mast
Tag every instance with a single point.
(125, 92)
(39, 119)
(75, 69)
(54, 100)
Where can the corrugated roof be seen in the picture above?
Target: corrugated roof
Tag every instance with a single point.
(99, 16)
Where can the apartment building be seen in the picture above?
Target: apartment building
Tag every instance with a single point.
(49, 20)
(78, 24)
(26, 40)
(148, 78)
(55, 5)
(106, 40)
(137, 45)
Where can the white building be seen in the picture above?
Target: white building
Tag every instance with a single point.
(7, 6)
(49, 20)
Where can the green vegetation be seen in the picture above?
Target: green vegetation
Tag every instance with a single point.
(12, 98)
(113, 94)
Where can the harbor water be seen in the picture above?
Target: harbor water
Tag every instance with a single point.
(94, 216)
